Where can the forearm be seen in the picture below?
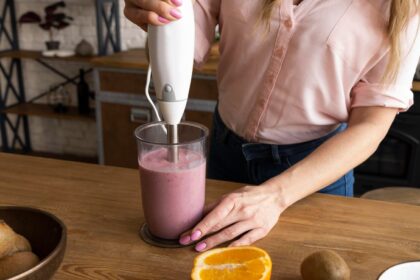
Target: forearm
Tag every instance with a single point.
(334, 158)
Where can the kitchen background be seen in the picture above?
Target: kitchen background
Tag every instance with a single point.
(121, 105)
(58, 136)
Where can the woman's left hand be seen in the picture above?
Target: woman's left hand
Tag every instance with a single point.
(251, 211)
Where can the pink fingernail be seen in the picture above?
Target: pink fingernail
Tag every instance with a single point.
(177, 2)
(185, 240)
(175, 13)
(201, 246)
(163, 20)
(196, 235)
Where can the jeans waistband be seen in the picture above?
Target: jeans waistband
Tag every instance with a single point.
(258, 150)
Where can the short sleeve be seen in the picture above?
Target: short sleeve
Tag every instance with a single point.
(372, 91)
(206, 18)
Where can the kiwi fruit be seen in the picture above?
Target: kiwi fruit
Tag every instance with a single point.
(324, 265)
(16, 264)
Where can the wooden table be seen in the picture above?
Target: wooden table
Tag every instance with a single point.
(101, 208)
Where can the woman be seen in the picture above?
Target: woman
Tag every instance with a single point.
(307, 91)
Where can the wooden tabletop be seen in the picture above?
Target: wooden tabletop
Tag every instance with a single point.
(102, 210)
(136, 59)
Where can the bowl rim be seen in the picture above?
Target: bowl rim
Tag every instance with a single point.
(56, 250)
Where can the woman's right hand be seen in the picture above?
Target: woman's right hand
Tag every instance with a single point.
(155, 12)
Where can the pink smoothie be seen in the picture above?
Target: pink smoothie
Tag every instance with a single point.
(172, 193)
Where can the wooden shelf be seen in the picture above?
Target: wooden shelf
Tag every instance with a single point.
(26, 54)
(44, 110)
(136, 59)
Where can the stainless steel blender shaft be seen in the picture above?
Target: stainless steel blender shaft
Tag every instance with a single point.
(173, 154)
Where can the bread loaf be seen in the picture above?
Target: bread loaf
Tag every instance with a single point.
(10, 242)
(17, 264)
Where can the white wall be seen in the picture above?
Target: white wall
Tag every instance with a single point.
(63, 136)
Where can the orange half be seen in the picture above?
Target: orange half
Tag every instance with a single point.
(232, 263)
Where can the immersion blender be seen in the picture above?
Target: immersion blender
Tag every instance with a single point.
(171, 50)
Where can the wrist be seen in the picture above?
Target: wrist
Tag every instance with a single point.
(279, 192)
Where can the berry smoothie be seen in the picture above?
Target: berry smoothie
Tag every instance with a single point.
(172, 193)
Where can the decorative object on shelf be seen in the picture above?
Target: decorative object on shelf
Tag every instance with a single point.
(59, 100)
(84, 48)
(83, 94)
(53, 20)
(58, 53)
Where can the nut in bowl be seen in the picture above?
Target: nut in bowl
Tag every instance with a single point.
(32, 243)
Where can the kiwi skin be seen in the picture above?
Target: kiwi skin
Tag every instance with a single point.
(324, 265)
(16, 264)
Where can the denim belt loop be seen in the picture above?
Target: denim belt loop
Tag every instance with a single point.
(275, 154)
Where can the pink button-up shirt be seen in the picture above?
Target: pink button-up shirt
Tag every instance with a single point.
(300, 79)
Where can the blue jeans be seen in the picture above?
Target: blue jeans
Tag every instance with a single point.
(232, 158)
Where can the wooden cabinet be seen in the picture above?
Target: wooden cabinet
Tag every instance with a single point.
(118, 128)
(122, 107)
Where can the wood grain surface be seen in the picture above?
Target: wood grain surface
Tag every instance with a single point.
(102, 210)
(47, 111)
(28, 54)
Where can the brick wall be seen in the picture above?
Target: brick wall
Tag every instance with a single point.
(63, 136)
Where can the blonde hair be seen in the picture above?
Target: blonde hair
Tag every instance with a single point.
(400, 14)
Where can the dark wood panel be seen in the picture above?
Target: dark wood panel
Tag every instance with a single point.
(204, 118)
(122, 82)
(203, 89)
(118, 135)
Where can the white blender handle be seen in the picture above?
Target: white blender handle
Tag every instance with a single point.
(171, 50)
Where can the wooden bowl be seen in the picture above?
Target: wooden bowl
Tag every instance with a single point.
(45, 232)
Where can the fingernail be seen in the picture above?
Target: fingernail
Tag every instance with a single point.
(196, 235)
(163, 20)
(185, 240)
(200, 246)
(175, 13)
(177, 2)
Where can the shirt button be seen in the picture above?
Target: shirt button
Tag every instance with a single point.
(288, 23)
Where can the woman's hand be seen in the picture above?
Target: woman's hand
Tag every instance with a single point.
(250, 211)
(155, 12)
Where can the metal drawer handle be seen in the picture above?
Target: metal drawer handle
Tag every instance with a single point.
(140, 115)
